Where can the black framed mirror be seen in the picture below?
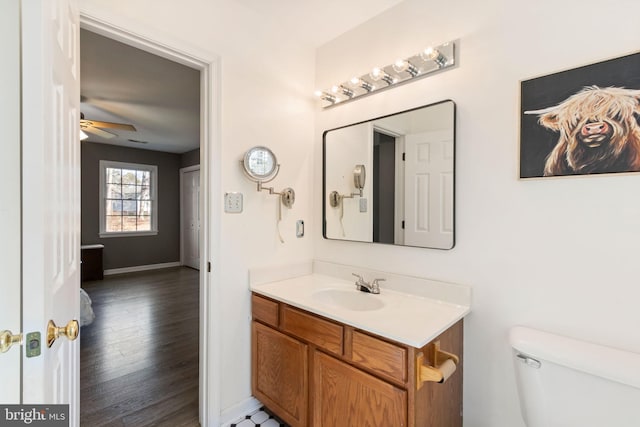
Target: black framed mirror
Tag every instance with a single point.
(408, 196)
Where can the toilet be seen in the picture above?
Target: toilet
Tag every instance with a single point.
(564, 382)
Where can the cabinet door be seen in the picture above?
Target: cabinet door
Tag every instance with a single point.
(343, 396)
(279, 377)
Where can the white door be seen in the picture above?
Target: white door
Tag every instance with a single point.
(51, 196)
(190, 191)
(10, 196)
(429, 190)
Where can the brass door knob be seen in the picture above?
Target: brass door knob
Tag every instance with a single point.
(54, 332)
(7, 339)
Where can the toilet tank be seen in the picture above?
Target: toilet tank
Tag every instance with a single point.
(564, 382)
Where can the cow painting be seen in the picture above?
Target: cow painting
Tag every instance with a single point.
(598, 131)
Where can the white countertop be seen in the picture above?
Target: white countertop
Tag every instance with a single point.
(405, 317)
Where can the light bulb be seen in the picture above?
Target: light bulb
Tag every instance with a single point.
(402, 65)
(346, 91)
(357, 82)
(325, 96)
(431, 54)
(378, 74)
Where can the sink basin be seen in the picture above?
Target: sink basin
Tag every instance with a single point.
(348, 299)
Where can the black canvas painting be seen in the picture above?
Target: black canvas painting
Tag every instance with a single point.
(582, 121)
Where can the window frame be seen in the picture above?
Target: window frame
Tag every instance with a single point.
(153, 169)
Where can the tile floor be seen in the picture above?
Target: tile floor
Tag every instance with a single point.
(260, 418)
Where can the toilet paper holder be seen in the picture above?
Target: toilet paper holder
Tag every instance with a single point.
(434, 372)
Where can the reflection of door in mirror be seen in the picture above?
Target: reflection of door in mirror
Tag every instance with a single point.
(429, 189)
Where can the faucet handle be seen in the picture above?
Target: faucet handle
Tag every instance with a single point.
(360, 279)
(376, 282)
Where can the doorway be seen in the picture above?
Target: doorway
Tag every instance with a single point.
(208, 65)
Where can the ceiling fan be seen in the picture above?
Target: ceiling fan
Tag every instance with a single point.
(97, 127)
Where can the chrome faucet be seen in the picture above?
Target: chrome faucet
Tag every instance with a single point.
(363, 286)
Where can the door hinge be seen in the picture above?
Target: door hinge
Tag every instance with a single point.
(208, 266)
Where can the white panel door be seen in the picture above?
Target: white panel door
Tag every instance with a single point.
(51, 196)
(191, 218)
(429, 190)
(10, 195)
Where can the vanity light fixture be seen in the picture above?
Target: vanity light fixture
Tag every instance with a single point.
(430, 60)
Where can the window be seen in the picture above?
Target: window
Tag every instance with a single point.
(128, 199)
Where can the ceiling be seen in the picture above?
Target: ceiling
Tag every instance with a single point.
(123, 84)
(327, 18)
(161, 98)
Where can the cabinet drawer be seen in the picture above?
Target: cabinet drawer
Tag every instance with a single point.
(264, 310)
(324, 334)
(384, 358)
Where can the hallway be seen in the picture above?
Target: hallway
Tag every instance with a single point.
(139, 358)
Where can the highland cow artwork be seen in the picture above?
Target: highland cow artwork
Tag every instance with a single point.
(582, 121)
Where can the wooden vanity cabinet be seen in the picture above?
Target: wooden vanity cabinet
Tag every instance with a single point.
(279, 380)
(315, 372)
(344, 396)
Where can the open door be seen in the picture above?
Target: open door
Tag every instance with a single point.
(10, 364)
(51, 200)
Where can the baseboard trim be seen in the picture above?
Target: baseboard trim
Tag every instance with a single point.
(238, 411)
(141, 268)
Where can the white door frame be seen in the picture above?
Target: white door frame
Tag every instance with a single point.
(208, 63)
(182, 172)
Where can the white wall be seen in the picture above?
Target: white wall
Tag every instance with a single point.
(557, 254)
(267, 77)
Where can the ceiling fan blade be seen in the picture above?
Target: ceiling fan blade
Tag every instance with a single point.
(98, 132)
(108, 125)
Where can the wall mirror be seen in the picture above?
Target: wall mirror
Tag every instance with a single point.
(407, 195)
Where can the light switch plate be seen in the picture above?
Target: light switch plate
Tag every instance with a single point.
(233, 202)
(363, 205)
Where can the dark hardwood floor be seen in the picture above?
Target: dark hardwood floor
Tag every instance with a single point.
(139, 358)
